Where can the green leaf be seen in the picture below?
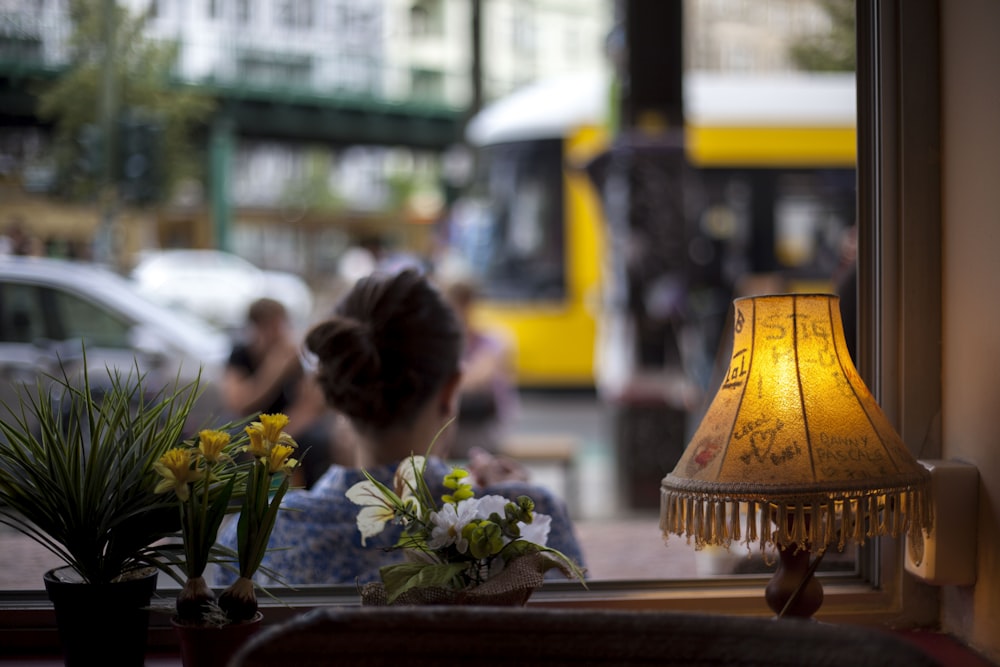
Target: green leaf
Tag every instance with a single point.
(402, 577)
(423, 491)
(556, 558)
(519, 548)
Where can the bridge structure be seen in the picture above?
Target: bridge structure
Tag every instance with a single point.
(277, 104)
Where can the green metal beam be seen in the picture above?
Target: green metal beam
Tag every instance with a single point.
(345, 123)
(354, 121)
(220, 177)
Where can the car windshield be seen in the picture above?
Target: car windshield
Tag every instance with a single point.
(180, 323)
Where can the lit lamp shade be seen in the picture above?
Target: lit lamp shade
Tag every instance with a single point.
(793, 441)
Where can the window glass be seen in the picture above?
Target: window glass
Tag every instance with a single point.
(771, 211)
(295, 13)
(745, 222)
(22, 319)
(82, 319)
(427, 85)
(510, 229)
(426, 19)
(244, 11)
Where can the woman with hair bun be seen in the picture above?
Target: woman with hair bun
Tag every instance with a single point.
(389, 361)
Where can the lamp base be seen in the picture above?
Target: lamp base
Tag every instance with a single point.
(793, 590)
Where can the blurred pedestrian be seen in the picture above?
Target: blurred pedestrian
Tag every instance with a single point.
(488, 392)
(265, 374)
(19, 241)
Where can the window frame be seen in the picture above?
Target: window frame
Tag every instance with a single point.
(899, 291)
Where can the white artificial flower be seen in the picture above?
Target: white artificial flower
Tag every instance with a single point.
(376, 509)
(491, 504)
(538, 530)
(404, 482)
(450, 521)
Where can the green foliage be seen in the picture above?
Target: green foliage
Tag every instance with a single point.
(457, 545)
(833, 51)
(207, 480)
(142, 70)
(260, 510)
(267, 481)
(312, 191)
(77, 468)
(401, 187)
(402, 577)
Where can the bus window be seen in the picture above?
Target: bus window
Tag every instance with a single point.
(509, 230)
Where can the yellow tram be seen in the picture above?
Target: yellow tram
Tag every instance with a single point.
(773, 163)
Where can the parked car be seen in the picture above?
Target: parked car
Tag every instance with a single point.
(51, 310)
(219, 286)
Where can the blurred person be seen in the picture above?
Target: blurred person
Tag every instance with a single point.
(265, 374)
(355, 263)
(18, 241)
(389, 362)
(487, 392)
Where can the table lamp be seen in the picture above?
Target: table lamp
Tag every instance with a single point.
(794, 441)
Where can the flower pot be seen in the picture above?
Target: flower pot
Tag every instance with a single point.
(101, 624)
(213, 645)
(510, 588)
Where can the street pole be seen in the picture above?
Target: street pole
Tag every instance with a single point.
(476, 64)
(105, 250)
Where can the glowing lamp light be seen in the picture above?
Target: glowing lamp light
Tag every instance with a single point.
(793, 452)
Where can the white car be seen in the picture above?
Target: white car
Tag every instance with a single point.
(51, 310)
(219, 286)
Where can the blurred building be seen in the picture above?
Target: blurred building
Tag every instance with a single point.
(337, 112)
(747, 36)
(401, 50)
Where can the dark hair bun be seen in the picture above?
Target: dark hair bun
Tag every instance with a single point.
(350, 366)
(392, 342)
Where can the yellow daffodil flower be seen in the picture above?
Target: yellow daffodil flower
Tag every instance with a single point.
(274, 429)
(279, 460)
(212, 445)
(267, 433)
(259, 447)
(175, 469)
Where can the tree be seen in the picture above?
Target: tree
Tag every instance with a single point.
(833, 51)
(150, 146)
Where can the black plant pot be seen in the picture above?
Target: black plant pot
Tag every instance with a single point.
(102, 624)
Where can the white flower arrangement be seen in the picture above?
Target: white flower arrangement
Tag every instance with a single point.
(458, 544)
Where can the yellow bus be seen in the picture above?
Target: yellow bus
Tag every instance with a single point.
(768, 184)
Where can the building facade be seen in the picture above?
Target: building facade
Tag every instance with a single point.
(375, 56)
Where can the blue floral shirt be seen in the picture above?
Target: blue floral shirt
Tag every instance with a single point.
(316, 540)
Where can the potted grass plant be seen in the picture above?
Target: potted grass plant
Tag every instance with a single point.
(77, 457)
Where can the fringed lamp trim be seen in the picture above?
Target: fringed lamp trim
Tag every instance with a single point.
(814, 521)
